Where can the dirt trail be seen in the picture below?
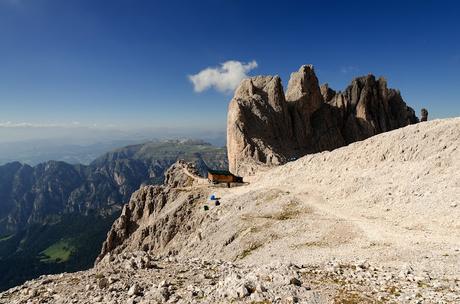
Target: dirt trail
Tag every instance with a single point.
(197, 178)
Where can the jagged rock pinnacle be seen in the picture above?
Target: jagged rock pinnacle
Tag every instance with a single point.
(266, 127)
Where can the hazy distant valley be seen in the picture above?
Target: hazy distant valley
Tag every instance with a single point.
(35, 145)
(34, 152)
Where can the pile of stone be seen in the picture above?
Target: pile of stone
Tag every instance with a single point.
(385, 284)
(140, 277)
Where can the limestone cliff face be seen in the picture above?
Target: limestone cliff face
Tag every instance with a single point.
(266, 127)
(368, 107)
(155, 215)
(258, 121)
(304, 98)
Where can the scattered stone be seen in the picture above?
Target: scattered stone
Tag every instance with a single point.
(295, 281)
(102, 283)
(133, 290)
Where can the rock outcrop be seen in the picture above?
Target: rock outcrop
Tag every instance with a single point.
(145, 224)
(424, 114)
(266, 127)
(258, 119)
(368, 107)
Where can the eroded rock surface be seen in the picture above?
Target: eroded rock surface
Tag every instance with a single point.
(259, 124)
(266, 127)
(156, 214)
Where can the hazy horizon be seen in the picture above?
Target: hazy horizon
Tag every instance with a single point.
(91, 134)
(83, 145)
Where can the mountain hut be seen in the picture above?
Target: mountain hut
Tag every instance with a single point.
(223, 176)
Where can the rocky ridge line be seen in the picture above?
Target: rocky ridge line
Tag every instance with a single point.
(267, 127)
(156, 214)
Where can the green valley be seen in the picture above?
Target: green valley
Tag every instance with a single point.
(58, 252)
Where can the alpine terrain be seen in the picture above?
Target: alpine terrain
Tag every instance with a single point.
(353, 201)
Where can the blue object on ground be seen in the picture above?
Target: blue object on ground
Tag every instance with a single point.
(213, 197)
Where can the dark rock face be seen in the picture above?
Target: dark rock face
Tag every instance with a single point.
(424, 114)
(371, 108)
(29, 194)
(266, 127)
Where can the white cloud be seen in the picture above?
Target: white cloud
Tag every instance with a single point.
(10, 124)
(224, 78)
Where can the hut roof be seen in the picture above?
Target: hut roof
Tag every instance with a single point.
(220, 172)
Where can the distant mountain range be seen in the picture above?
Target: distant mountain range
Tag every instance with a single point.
(76, 150)
(52, 213)
(34, 152)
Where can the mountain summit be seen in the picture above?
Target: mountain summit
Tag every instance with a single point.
(267, 127)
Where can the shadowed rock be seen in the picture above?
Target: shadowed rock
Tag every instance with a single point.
(424, 114)
(258, 122)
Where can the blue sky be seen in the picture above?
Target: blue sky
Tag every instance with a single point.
(126, 63)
